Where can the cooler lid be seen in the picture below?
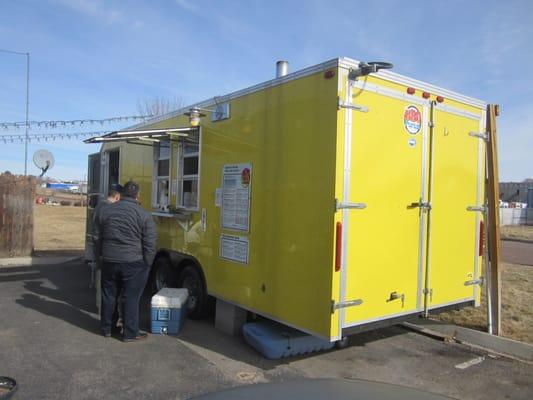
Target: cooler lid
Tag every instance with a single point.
(170, 297)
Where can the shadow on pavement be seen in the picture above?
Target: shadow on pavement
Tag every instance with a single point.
(203, 335)
(60, 291)
(62, 311)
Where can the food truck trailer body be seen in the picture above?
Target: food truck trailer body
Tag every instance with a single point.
(329, 201)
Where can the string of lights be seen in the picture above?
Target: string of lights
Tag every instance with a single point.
(73, 122)
(46, 137)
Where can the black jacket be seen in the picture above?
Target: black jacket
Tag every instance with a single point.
(125, 232)
(91, 249)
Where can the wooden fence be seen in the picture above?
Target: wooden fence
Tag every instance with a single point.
(16, 215)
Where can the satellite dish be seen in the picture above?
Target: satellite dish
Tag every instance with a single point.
(44, 160)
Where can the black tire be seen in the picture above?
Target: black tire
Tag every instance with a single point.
(198, 302)
(164, 274)
(8, 386)
(343, 343)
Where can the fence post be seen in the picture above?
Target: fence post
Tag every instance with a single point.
(16, 215)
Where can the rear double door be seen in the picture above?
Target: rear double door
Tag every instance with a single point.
(453, 265)
(412, 246)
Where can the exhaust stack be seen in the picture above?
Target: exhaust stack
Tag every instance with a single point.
(282, 68)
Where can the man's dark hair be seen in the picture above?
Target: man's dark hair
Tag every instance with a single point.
(114, 190)
(131, 189)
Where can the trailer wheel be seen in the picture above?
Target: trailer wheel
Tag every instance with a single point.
(164, 274)
(343, 343)
(198, 302)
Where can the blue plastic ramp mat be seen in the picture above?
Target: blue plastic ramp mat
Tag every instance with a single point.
(274, 340)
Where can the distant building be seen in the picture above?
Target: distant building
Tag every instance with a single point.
(67, 187)
(515, 191)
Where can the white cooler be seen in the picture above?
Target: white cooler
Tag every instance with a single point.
(169, 308)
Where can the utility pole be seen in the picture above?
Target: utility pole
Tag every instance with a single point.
(27, 55)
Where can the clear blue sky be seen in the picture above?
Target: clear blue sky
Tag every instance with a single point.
(94, 59)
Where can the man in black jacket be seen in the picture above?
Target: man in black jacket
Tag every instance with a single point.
(113, 195)
(127, 238)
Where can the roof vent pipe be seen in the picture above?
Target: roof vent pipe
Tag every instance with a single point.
(282, 68)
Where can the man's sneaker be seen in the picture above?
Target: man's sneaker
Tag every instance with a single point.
(141, 335)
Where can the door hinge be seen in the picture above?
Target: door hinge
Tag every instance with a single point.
(431, 124)
(429, 292)
(476, 208)
(344, 304)
(356, 107)
(480, 282)
(479, 135)
(340, 205)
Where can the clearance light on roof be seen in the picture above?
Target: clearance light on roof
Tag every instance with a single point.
(411, 90)
(425, 95)
(329, 74)
(440, 99)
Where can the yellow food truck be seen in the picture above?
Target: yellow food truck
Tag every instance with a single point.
(334, 199)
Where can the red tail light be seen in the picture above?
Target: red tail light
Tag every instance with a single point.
(338, 247)
(481, 237)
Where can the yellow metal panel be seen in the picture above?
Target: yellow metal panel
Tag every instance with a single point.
(383, 239)
(288, 134)
(453, 229)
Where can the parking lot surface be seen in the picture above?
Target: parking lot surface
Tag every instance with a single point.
(49, 343)
(517, 252)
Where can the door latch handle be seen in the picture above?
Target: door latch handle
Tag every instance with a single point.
(395, 296)
(340, 205)
(420, 204)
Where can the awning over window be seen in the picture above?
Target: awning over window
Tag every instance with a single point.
(144, 136)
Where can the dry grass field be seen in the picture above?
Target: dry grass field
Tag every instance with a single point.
(517, 297)
(522, 232)
(59, 228)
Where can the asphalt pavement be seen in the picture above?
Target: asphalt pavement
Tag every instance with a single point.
(515, 252)
(49, 343)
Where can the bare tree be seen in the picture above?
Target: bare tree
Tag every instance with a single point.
(159, 105)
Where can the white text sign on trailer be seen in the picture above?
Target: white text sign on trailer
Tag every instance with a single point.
(236, 186)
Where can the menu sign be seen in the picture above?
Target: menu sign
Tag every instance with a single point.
(236, 185)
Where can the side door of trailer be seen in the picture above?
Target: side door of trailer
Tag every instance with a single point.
(385, 153)
(456, 192)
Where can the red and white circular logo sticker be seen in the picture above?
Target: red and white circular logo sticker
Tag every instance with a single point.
(412, 120)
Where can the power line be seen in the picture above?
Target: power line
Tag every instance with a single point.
(74, 122)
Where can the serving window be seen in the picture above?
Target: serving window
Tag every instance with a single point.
(179, 145)
(161, 178)
(188, 173)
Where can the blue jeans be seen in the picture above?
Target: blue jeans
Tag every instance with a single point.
(131, 279)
